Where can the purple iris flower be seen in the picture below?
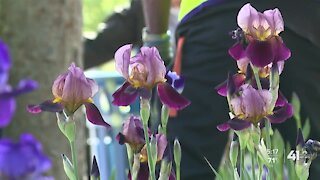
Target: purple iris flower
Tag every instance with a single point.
(250, 106)
(263, 45)
(72, 90)
(132, 133)
(23, 160)
(8, 93)
(143, 72)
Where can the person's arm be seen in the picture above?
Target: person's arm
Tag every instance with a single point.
(120, 28)
(156, 14)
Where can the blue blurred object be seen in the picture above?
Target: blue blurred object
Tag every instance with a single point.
(112, 157)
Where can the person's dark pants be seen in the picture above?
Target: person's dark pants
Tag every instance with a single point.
(206, 63)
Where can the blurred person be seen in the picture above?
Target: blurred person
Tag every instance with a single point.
(202, 57)
(122, 28)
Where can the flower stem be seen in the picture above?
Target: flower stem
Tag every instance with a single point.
(135, 167)
(256, 77)
(150, 163)
(269, 146)
(74, 159)
(130, 157)
(145, 115)
(253, 166)
(178, 172)
(242, 151)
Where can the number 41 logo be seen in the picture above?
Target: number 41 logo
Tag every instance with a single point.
(295, 155)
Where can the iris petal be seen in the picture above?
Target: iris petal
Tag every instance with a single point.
(94, 115)
(260, 53)
(5, 60)
(246, 16)
(125, 95)
(170, 97)
(223, 127)
(24, 86)
(76, 86)
(282, 114)
(238, 80)
(120, 138)
(281, 52)
(8, 106)
(237, 52)
(275, 19)
(45, 106)
(238, 124)
(235, 124)
(122, 58)
(154, 64)
(281, 101)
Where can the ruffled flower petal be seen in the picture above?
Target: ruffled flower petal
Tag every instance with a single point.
(254, 102)
(45, 106)
(275, 20)
(260, 53)
(122, 58)
(58, 85)
(125, 95)
(282, 114)
(154, 65)
(94, 115)
(246, 16)
(76, 86)
(170, 97)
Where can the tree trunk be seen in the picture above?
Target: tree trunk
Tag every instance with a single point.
(44, 38)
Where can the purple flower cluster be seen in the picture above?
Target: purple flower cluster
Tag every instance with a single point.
(142, 73)
(23, 160)
(259, 48)
(8, 93)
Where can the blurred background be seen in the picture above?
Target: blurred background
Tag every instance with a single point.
(110, 155)
(95, 12)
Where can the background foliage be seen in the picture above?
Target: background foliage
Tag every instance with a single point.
(95, 11)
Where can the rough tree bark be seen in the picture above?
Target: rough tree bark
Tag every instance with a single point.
(44, 37)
